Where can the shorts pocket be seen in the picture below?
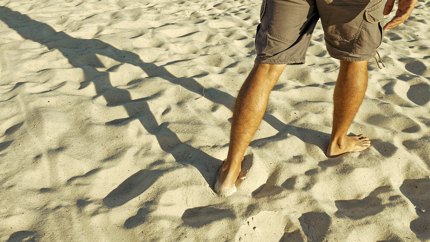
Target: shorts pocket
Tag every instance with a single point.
(345, 27)
(349, 19)
(374, 14)
(263, 9)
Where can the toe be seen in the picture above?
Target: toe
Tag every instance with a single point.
(365, 144)
(363, 138)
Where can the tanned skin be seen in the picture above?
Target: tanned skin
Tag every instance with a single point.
(253, 97)
(251, 103)
(348, 95)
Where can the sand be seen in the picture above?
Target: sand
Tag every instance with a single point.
(115, 116)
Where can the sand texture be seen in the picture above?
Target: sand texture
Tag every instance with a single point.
(115, 116)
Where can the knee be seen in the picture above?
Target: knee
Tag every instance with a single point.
(270, 67)
(270, 72)
(345, 63)
(353, 67)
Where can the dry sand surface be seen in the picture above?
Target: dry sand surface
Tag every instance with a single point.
(114, 119)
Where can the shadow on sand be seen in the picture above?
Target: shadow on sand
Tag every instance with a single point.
(73, 49)
(417, 191)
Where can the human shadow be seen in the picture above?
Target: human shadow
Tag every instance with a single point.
(73, 49)
(309, 136)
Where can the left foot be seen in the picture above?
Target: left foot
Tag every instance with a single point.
(347, 144)
(229, 179)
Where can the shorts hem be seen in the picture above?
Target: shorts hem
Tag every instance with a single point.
(352, 54)
(347, 58)
(278, 62)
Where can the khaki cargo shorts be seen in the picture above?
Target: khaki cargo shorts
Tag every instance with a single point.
(352, 29)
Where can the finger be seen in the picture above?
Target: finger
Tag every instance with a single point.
(388, 7)
(401, 16)
(402, 13)
(396, 21)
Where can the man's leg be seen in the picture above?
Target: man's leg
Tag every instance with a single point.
(248, 112)
(349, 92)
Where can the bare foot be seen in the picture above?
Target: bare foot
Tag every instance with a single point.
(229, 179)
(348, 144)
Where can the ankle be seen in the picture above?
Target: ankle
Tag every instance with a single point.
(230, 167)
(234, 161)
(338, 140)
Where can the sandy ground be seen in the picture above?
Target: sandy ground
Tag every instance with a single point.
(114, 119)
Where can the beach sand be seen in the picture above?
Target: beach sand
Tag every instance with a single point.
(115, 116)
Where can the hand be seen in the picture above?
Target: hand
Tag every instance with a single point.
(403, 12)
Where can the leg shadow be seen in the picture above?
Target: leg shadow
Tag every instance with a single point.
(72, 49)
(308, 136)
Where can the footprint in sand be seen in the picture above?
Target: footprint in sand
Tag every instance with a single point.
(13, 128)
(361, 208)
(416, 67)
(419, 94)
(19, 236)
(420, 147)
(295, 236)
(417, 191)
(397, 122)
(315, 225)
(5, 145)
(386, 149)
(393, 36)
(268, 188)
(201, 216)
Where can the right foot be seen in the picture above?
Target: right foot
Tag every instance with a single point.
(347, 144)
